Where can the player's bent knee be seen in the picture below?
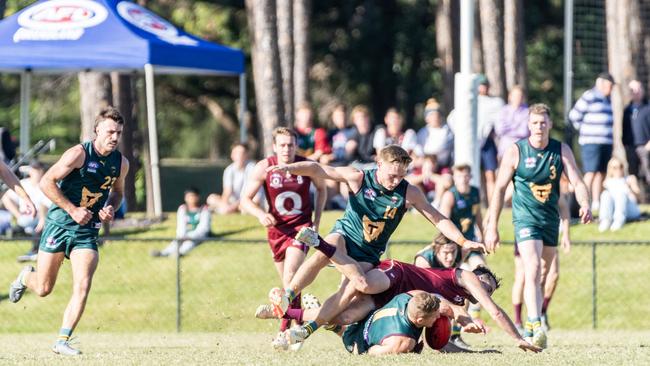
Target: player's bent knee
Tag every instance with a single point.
(44, 289)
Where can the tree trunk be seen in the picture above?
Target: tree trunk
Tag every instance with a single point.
(301, 14)
(446, 48)
(95, 94)
(3, 8)
(266, 67)
(477, 45)
(285, 47)
(492, 38)
(514, 44)
(123, 99)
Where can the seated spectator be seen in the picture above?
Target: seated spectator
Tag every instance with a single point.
(192, 226)
(312, 141)
(435, 138)
(512, 122)
(339, 138)
(618, 202)
(393, 134)
(14, 204)
(234, 177)
(361, 141)
(430, 178)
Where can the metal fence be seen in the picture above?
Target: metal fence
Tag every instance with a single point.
(217, 286)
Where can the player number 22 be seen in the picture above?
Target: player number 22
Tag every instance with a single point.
(108, 182)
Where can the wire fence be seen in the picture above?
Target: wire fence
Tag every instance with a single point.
(217, 286)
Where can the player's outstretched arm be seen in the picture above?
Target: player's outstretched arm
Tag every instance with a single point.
(321, 200)
(415, 196)
(344, 174)
(392, 345)
(472, 284)
(72, 159)
(251, 187)
(575, 178)
(14, 184)
(506, 171)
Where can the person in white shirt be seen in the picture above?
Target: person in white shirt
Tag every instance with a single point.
(16, 206)
(435, 138)
(618, 202)
(392, 133)
(234, 178)
(192, 226)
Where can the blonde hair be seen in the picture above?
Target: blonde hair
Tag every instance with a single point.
(423, 305)
(540, 108)
(440, 241)
(395, 154)
(283, 131)
(360, 108)
(610, 166)
(432, 104)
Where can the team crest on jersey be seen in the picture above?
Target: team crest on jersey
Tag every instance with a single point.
(530, 162)
(370, 194)
(394, 199)
(276, 181)
(458, 299)
(299, 179)
(92, 166)
(524, 233)
(461, 204)
(50, 242)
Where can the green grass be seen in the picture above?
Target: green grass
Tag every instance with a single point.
(222, 284)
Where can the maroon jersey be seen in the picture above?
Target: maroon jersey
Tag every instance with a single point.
(405, 277)
(288, 199)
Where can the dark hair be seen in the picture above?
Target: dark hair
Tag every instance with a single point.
(109, 113)
(239, 144)
(192, 190)
(483, 270)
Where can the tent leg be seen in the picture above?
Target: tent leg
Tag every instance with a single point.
(243, 134)
(25, 97)
(153, 138)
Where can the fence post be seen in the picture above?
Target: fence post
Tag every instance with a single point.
(594, 290)
(178, 287)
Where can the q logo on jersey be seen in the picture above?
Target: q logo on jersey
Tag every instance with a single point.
(59, 20)
(281, 204)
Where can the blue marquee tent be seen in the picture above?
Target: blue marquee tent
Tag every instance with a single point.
(59, 36)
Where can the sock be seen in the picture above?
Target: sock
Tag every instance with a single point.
(295, 314)
(333, 328)
(528, 329)
(290, 293)
(517, 313)
(547, 300)
(474, 311)
(325, 247)
(311, 326)
(455, 329)
(64, 335)
(297, 304)
(285, 324)
(534, 323)
(23, 280)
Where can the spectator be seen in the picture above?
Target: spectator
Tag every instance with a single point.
(619, 198)
(435, 138)
(512, 123)
(312, 141)
(392, 133)
(430, 178)
(339, 138)
(192, 226)
(30, 225)
(234, 178)
(629, 115)
(641, 129)
(592, 116)
(362, 138)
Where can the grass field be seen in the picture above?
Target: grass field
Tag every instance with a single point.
(131, 313)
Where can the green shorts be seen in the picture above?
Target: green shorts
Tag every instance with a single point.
(353, 338)
(548, 234)
(360, 252)
(55, 239)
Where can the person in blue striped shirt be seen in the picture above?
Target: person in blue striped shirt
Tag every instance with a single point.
(593, 117)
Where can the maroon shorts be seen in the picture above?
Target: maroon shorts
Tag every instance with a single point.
(279, 241)
(395, 274)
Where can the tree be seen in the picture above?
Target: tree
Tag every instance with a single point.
(301, 16)
(95, 93)
(492, 38)
(3, 7)
(124, 101)
(514, 44)
(447, 45)
(286, 49)
(266, 67)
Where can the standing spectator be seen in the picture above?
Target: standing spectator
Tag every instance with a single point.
(512, 123)
(362, 139)
(641, 129)
(339, 138)
(435, 138)
(234, 177)
(312, 141)
(192, 226)
(14, 204)
(393, 134)
(629, 115)
(592, 116)
(619, 198)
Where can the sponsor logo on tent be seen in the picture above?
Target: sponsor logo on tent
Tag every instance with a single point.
(152, 23)
(59, 20)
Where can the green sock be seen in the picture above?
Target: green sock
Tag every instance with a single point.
(64, 335)
(455, 329)
(333, 328)
(290, 294)
(528, 329)
(311, 326)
